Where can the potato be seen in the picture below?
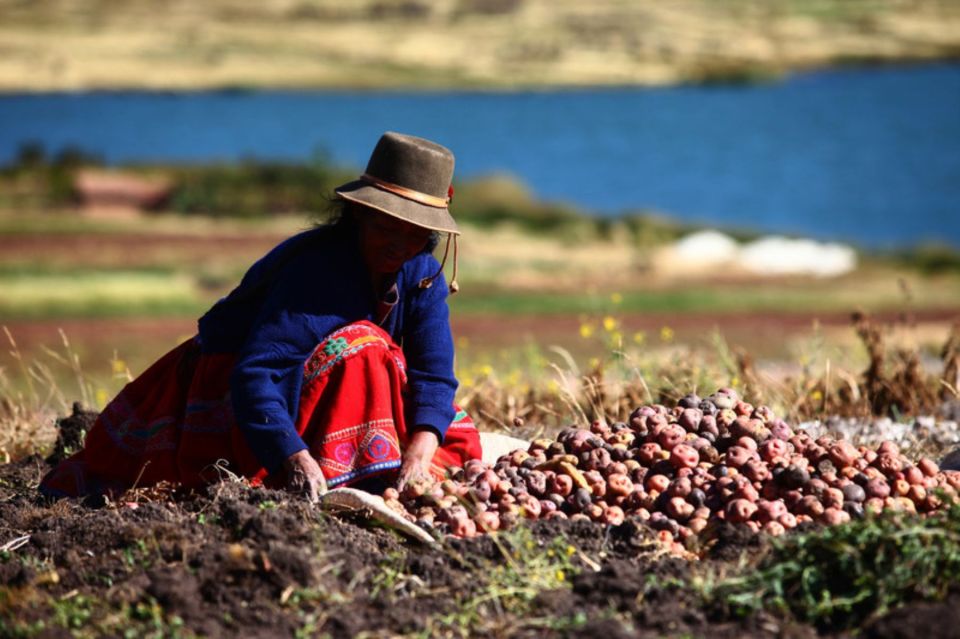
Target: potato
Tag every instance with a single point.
(740, 510)
(683, 456)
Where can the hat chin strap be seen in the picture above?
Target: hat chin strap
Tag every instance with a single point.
(427, 282)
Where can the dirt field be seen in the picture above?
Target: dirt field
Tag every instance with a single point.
(263, 563)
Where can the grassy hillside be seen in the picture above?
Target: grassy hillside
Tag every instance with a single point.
(83, 44)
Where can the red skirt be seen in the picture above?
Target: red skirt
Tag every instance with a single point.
(175, 421)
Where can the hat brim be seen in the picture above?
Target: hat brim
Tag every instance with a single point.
(430, 217)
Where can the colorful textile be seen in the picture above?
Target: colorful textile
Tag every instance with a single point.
(315, 289)
(175, 421)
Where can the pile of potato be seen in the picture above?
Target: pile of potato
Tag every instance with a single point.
(718, 458)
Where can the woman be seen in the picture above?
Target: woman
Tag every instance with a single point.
(331, 363)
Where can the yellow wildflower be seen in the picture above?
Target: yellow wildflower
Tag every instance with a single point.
(666, 334)
(586, 330)
(609, 324)
(639, 337)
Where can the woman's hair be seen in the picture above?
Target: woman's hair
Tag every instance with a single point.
(343, 214)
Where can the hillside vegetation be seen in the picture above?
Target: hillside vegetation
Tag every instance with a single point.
(107, 44)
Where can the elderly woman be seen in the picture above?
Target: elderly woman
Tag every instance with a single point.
(330, 364)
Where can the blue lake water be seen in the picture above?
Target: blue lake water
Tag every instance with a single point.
(868, 156)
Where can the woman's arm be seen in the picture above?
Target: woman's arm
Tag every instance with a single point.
(428, 348)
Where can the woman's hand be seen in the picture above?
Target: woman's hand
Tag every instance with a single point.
(304, 475)
(417, 457)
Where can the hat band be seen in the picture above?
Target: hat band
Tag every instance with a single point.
(404, 192)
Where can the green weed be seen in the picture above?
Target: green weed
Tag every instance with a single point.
(840, 577)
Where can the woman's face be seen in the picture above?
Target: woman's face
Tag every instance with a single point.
(387, 242)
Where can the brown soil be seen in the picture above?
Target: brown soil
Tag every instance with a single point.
(232, 559)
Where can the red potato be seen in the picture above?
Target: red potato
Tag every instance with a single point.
(889, 448)
(788, 520)
(747, 491)
(738, 455)
(811, 506)
(488, 521)
(842, 454)
(679, 509)
(648, 453)
(556, 514)
(773, 528)
(529, 506)
(834, 516)
(888, 464)
(928, 467)
(740, 510)
(683, 456)
(594, 512)
(671, 436)
(619, 484)
(463, 528)
(697, 524)
(770, 510)
(658, 483)
(561, 485)
(899, 488)
(680, 487)
(917, 494)
(773, 449)
(832, 498)
(756, 470)
(616, 468)
(749, 443)
(913, 475)
(613, 516)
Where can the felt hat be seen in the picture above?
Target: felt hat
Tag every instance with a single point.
(409, 178)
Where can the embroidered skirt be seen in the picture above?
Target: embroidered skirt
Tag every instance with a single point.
(175, 421)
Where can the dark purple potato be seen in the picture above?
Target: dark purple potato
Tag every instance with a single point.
(792, 477)
(536, 483)
(690, 401)
(854, 509)
(598, 459)
(697, 497)
(708, 407)
(581, 498)
(481, 491)
(616, 427)
(690, 419)
(853, 492)
(554, 449)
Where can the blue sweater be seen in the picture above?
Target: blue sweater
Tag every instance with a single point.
(323, 286)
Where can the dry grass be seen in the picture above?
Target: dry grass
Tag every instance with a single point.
(66, 44)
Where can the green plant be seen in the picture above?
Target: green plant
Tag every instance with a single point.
(839, 577)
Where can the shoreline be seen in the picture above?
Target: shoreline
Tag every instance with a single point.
(781, 76)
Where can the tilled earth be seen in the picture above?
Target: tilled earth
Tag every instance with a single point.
(232, 560)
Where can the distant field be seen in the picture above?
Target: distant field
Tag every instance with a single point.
(75, 45)
(126, 291)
